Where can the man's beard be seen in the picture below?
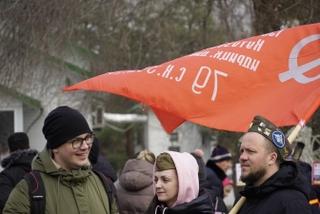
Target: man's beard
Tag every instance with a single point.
(253, 177)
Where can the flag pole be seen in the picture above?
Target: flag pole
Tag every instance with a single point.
(291, 138)
(293, 135)
(238, 205)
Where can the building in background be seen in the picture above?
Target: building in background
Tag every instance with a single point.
(186, 138)
(25, 99)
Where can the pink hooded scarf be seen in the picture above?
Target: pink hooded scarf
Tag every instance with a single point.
(187, 170)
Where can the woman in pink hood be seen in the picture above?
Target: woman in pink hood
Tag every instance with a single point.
(176, 186)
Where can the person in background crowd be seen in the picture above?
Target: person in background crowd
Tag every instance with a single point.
(176, 184)
(227, 186)
(135, 185)
(4, 152)
(316, 189)
(100, 163)
(219, 205)
(217, 166)
(70, 185)
(306, 171)
(16, 165)
(273, 182)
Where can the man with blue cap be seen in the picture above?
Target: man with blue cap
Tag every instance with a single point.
(273, 182)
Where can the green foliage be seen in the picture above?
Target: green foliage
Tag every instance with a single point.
(315, 123)
(231, 141)
(113, 147)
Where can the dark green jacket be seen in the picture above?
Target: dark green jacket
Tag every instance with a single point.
(67, 192)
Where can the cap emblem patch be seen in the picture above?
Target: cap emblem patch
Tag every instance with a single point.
(278, 139)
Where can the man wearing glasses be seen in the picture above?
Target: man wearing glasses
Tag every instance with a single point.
(71, 187)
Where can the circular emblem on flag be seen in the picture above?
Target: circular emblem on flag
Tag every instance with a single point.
(278, 139)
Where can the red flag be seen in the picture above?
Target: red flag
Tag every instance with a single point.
(276, 75)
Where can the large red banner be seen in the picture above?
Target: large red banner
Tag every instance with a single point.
(276, 75)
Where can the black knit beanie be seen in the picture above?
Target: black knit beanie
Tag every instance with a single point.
(219, 153)
(63, 124)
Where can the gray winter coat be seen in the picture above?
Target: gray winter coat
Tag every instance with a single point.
(135, 187)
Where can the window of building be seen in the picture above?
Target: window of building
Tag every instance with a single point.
(6, 128)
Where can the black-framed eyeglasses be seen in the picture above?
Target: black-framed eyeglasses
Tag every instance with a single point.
(78, 141)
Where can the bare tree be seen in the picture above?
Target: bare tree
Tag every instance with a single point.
(272, 15)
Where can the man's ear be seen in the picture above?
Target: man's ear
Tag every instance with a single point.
(55, 151)
(272, 158)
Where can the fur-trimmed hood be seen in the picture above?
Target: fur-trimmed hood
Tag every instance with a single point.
(19, 157)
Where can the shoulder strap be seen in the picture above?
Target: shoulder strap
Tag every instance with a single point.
(36, 192)
(109, 188)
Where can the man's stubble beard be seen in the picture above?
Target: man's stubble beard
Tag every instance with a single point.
(253, 177)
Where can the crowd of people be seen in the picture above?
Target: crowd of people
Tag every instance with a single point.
(71, 176)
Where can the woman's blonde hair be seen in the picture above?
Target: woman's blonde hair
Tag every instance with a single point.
(147, 156)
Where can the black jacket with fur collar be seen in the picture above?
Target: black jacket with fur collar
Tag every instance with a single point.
(16, 165)
(284, 192)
